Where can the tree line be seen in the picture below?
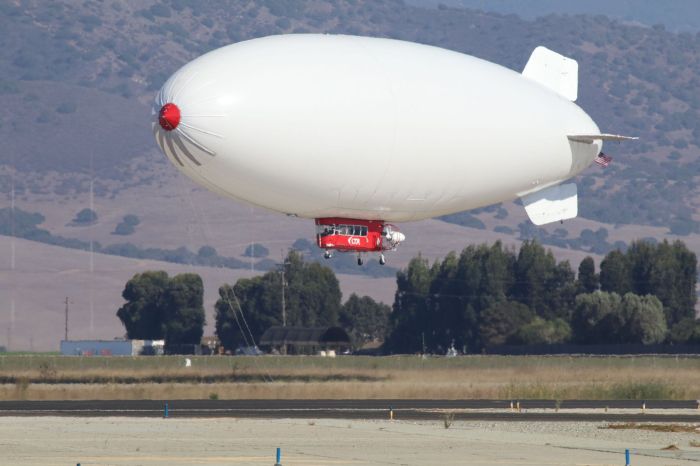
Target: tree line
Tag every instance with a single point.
(171, 308)
(492, 295)
(487, 295)
(312, 298)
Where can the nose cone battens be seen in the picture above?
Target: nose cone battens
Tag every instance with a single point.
(180, 126)
(169, 117)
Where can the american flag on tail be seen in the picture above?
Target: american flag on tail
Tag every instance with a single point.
(603, 160)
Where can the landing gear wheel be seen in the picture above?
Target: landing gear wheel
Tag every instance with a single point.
(359, 260)
(327, 254)
(382, 259)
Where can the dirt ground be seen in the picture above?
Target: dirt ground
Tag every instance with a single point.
(150, 442)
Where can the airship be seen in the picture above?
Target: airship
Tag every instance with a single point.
(361, 133)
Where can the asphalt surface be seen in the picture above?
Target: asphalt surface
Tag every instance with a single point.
(530, 410)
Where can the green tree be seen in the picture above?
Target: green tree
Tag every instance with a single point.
(588, 280)
(256, 250)
(123, 229)
(446, 302)
(500, 322)
(244, 311)
(19, 223)
(672, 279)
(463, 288)
(409, 319)
(595, 317)
(532, 269)
(143, 313)
(602, 317)
(159, 307)
(544, 286)
(686, 331)
(131, 219)
(543, 332)
(365, 319)
(641, 259)
(644, 320)
(85, 217)
(614, 274)
(183, 304)
(667, 271)
(127, 225)
(206, 253)
(561, 296)
(443, 303)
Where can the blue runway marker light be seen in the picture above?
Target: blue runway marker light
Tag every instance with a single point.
(627, 457)
(279, 457)
(165, 410)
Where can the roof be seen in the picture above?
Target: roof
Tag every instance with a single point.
(304, 336)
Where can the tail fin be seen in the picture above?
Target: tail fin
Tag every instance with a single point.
(552, 204)
(591, 138)
(554, 71)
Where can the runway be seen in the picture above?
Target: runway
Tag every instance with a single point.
(530, 410)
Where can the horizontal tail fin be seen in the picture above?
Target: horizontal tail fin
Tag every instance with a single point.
(552, 204)
(591, 138)
(554, 71)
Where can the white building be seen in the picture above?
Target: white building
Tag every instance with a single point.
(111, 347)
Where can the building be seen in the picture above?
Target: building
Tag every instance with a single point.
(111, 347)
(303, 340)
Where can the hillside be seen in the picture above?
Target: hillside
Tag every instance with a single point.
(677, 15)
(77, 79)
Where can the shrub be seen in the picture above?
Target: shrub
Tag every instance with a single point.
(123, 229)
(8, 87)
(464, 219)
(504, 229)
(66, 107)
(132, 220)
(256, 250)
(85, 217)
(160, 10)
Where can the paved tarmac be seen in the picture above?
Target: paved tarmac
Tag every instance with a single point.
(495, 410)
(150, 441)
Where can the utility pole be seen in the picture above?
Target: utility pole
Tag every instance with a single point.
(284, 307)
(283, 349)
(283, 284)
(66, 335)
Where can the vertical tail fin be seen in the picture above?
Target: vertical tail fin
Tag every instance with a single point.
(553, 71)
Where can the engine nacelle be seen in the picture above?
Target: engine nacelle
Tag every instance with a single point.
(392, 237)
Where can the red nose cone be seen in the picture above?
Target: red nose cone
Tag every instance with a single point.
(169, 117)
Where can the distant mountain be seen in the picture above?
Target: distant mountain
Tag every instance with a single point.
(77, 80)
(676, 15)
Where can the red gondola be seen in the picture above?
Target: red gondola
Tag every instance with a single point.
(354, 235)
